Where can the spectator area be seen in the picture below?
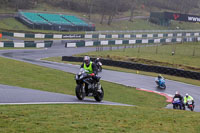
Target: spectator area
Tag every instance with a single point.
(33, 17)
(52, 21)
(54, 18)
(74, 20)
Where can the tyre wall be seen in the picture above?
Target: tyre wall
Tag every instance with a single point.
(141, 67)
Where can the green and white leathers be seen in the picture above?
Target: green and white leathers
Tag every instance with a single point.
(89, 68)
(187, 98)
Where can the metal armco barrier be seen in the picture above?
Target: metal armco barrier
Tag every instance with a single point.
(86, 43)
(141, 67)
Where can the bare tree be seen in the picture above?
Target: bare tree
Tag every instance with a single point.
(102, 15)
(133, 6)
(91, 7)
(114, 9)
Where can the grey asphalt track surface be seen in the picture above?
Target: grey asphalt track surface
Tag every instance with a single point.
(134, 80)
(18, 95)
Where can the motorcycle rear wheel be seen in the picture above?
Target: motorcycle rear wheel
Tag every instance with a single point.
(100, 69)
(177, 107)
(80, 93)
(191, 108)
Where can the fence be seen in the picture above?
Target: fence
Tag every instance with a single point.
(131, 41)
(100, 35)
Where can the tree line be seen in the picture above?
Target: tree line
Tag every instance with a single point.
(109, 8)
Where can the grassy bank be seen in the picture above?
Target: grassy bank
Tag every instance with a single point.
(186, 55)
(96, 118)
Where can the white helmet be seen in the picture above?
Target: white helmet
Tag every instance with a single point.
(186, 95)
(177, 93)
(86, 60)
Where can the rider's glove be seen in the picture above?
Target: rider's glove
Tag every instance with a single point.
(92, 74)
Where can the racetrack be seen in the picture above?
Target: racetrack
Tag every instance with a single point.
(140, 81)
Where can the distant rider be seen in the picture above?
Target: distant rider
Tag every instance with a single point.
(97, 60)
(178, 95)
(159, 78)
(187, 98)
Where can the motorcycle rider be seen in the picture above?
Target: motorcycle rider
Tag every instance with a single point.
(91, 68)
(178, 95)
(188, 97)
(96, 60)
(160, 77)
(158, 80)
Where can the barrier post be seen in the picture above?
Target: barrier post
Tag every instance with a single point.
(132, 45)
(193, 51)
(110, 47)
(124, 47)
(157, 48)
(101, 48)
(139, 49)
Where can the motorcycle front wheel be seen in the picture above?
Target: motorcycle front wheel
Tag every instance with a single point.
(164, 86)
(99, 95)
(80, 93)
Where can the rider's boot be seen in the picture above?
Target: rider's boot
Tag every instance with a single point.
(183, 107)
(99, 87)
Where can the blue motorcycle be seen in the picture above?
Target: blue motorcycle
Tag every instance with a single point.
(160, 83)
(177, 104)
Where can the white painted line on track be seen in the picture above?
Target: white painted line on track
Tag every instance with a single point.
(35, 103)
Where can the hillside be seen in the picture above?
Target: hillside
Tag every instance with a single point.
(102, 18)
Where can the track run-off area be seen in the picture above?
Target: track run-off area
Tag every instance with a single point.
(17, 95)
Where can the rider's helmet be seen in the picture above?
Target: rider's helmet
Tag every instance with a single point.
(186, 95)
(159, 76)
(97, 59)
(86, 60)
(177, 93)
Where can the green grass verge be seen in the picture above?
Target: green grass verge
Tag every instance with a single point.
(4, 39)
(181, 79)
(96, 118)
(137, 24)
(186, 55)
